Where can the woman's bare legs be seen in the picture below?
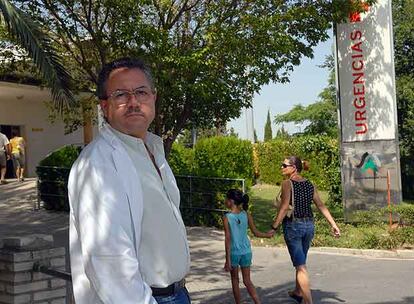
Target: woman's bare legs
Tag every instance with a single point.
(302, 281)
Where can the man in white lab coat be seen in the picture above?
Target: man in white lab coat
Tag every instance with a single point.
(128, 242)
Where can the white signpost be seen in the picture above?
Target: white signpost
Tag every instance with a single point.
(368, 111)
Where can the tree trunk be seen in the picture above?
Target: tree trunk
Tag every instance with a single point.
(87, 129)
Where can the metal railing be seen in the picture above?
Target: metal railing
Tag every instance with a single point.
(39, 267)
(201, 203)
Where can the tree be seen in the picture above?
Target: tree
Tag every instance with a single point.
(209, 57)
(403, 18)
(255, 136)
(25, 32)
(282, 133)
(321, 115)
(268, 128)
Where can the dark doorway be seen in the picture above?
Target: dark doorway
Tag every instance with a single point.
(7, 130)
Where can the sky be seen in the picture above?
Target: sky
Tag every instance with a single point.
(306, 82)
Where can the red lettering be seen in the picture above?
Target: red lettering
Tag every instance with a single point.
(357, 47)
(364, 128)
(359, 77)
(360, 90)
(359, 103)
(356, 35)
(358, 68)
(359, 115)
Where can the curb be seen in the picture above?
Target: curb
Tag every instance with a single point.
(404, 254)
(401, 254)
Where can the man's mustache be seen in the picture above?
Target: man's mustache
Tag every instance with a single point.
(133, 110)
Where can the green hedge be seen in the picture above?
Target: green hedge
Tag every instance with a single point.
(228, 157)
(224, 157)
(63, 157)
(53, 173)
(181, 160)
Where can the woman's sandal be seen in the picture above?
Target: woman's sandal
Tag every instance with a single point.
(295, 297)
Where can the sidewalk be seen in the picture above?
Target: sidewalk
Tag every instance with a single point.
(337, 276)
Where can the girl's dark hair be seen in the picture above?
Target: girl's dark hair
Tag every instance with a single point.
(298, 163)
(239, 198)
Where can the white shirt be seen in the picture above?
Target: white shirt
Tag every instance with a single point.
(108, 232)
(3, 142)
(164, 254)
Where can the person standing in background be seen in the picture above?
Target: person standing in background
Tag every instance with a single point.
(4, 156)
(18, 146)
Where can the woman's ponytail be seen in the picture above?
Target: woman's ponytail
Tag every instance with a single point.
(305, 165)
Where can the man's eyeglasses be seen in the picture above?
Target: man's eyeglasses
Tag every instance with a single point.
(123, 97)
(283, 165)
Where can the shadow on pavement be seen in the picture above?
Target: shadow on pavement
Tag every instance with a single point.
(406, 300)
(277, 294)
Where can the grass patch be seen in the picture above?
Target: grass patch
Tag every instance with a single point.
(365, 235)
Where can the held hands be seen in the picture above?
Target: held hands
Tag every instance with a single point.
(270, 233)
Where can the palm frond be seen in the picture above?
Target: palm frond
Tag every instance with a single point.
(44, 55)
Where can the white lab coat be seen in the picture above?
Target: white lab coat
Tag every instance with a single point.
(106, 207)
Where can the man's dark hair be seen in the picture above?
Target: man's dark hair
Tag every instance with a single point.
(126, 62)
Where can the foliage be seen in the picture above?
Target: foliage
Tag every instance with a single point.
(76, 116)
(282, 133)
(321, 115)
(209, 57)
(403, 18)
(53, 174)
(268, 128)
(63, 157)
(181, 160)
(224, 157)
(26, 33)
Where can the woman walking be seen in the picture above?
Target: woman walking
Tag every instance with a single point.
(298, 227)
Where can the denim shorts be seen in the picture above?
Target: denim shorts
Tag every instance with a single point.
(298, 235)
(242, 260)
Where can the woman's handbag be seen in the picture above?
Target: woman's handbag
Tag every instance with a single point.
(277, 201)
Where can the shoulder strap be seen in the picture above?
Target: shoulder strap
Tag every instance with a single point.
(293, 198)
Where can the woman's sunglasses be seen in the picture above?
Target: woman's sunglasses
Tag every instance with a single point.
(285, 165)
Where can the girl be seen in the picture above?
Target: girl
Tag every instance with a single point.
(298, 229)
(238, 250)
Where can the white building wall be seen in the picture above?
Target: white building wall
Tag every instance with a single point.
(23, 105)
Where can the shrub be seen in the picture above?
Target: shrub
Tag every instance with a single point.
(181, 160)
(224, 157)
(53, 173)
(63, 157)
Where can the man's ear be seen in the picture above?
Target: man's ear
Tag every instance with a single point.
(104, 106)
